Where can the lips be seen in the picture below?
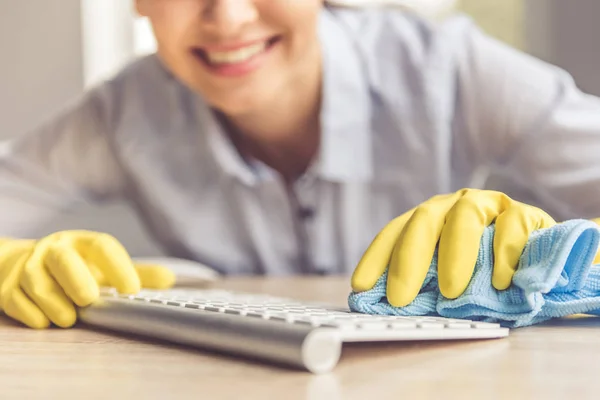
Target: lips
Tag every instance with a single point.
(234, 55)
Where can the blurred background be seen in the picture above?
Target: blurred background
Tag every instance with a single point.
(52, 50)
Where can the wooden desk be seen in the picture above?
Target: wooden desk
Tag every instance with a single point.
(557, 360)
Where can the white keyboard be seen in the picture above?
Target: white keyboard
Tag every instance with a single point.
(298, 333)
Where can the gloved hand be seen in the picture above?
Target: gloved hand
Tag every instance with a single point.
(42, 282)
(454, 222)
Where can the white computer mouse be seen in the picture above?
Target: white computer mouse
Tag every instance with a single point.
(186, 271)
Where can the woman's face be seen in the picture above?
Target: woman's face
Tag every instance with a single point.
(237, 54)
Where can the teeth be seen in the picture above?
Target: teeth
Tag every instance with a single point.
(236, 56)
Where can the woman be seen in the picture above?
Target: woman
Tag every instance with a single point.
(280, 136)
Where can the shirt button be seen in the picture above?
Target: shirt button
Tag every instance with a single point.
(306, 213)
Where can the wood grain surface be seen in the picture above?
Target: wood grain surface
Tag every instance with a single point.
(556, 360)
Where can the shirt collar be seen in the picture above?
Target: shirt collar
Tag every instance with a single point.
(346, 142)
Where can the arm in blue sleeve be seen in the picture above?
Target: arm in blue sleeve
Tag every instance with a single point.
(529, 123)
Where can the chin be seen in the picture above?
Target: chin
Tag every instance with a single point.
(237, 107)
(237, 102)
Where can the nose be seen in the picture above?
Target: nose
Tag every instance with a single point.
(227, 17)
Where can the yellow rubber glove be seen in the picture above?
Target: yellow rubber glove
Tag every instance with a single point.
(42, 282)
(456, 223)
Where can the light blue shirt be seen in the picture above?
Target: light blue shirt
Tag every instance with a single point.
(410, 110)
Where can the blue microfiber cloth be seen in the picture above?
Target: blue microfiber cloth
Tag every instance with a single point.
(555, 278)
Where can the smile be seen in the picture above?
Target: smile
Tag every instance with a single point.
(237, 60)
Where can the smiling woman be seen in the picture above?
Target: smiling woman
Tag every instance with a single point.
(275, 42)
(114, 33)
(283, 137)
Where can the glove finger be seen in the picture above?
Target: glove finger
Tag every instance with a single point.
(12, 299)
(20, 307)
(111, 258)
(414, 249)
(44, 291)
(155, 276)
(513, 228)
(12, 260)
(461, 238)
(4, 240)
(377, 256)
(72, 273)
(97, 274)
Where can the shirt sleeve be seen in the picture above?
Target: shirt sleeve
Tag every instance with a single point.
(529, 123)
(65, 162)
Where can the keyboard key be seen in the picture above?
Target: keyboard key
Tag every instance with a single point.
(346, 325)
(458, 325)
(430, 325)
(373, 325)
(402, 324)
(254, 314)
(282, 317)
(485, 325)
